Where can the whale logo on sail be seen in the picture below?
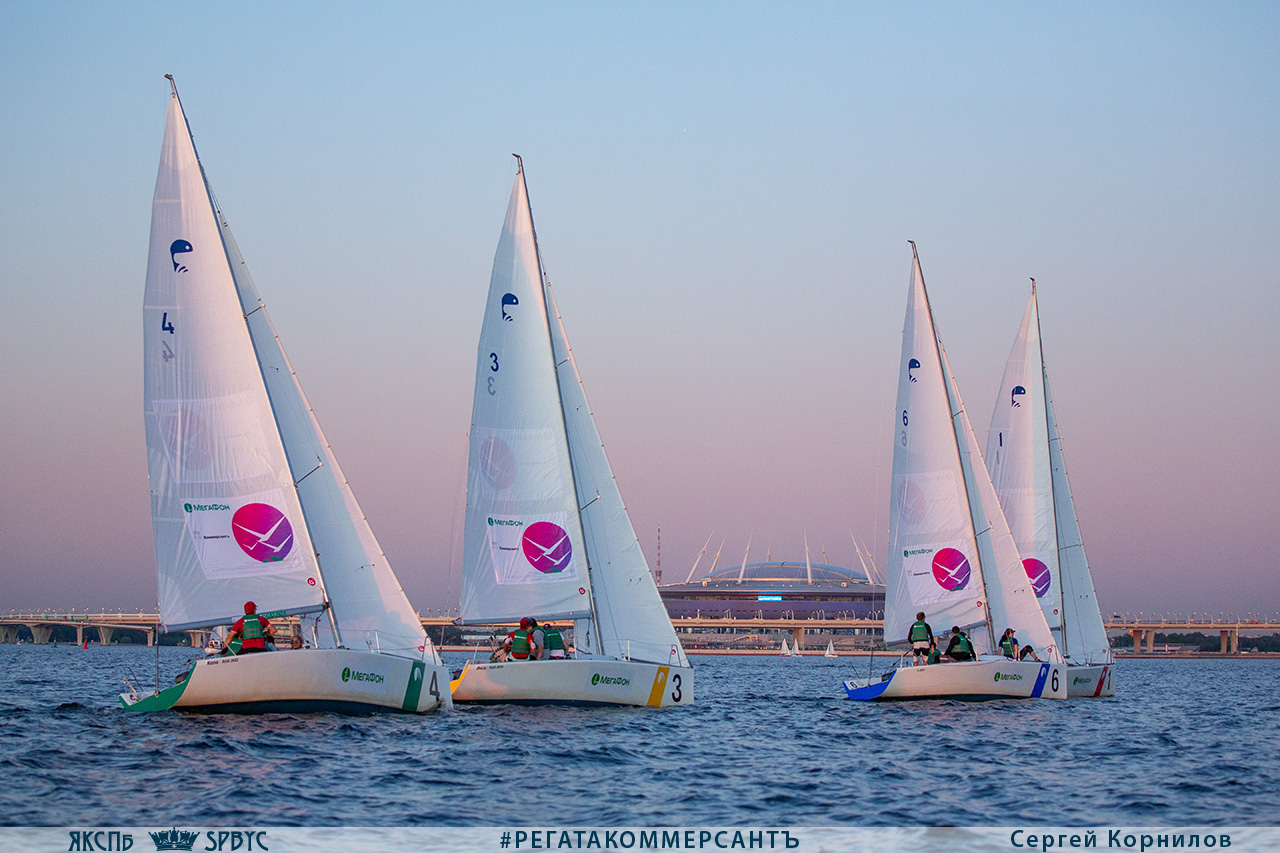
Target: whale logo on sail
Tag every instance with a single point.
(1039, 575)
(912, 365)
(951, 569)
(508, 299)
(1017, 392)
(547, 547)
(262, 532)
(178, 247)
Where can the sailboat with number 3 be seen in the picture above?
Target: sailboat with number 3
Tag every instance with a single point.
(547, 535)
(247, 499)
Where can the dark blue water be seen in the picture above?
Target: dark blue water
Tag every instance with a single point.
(771, 741)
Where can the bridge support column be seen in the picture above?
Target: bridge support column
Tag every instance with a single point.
(8, 634)
(151, 639)
(79, 635)
(104, 634)
(1222, 637)
(1138, 634)
(797, 634)
(40, 633)
(1235, 641)
(1151, 641)
(196, 638)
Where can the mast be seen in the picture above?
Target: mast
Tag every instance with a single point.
(564, 422)
(223, 230)
(965, 473)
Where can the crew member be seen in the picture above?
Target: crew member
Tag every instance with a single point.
(555, 649)
(959, 648)
(253, 630)
(1009, 644)
(520, 640)
(921, 639)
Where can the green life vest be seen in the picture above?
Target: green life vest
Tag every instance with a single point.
(919, 632)
(553, 638)
(1009, 646)
(520, 645)
(963, 646)
(252, 628)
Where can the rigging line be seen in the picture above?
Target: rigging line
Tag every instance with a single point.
(319, 465)
(255, 311)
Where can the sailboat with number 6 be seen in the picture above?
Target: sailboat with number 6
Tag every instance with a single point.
(247, 499)
(547, 535)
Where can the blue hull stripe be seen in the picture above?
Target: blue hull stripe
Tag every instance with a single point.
(868, 693)
(1040, 680)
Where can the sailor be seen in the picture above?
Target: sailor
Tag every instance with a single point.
(537, 641)
(554, 643)
(253, 630)
(921, 638)
(1009, 644)
(959, 648)
(520, 640)
(1027, 652)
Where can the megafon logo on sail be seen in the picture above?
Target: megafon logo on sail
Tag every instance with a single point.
(951, 569)
(1038, 574)
(547, 547)
(262, 532)
(178, 247)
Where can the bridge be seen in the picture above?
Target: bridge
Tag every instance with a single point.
(1141, 627)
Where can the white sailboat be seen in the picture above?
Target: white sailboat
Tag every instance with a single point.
(1024, 457)
(951, 554)
(785, 651)
(547, 535)
(831, 650)
(247, 499)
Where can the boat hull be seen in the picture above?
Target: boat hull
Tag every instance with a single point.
(574, 682)
(970, 680)
(1093, 681)
(303, 680)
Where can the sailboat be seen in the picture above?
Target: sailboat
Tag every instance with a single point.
(247, 499)
(951, 554)
(831, 650)
(547, 535)
(785, 651)
(1024, 457)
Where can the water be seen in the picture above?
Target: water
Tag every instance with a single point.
(770, 741)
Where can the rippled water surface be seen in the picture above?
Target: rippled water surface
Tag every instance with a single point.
(770, 741)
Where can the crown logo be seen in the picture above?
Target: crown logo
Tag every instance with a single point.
(174, 839)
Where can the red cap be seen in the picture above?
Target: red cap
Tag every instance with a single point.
(249, 607)
(526, 622)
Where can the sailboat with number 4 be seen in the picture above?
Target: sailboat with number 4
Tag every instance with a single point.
(547, 535)
(951, 554)
(247, 499)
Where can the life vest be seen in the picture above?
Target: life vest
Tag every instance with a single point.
(1009, 646)
(553, 638)
(963, 646)
(251, 635)
(919, 632)
(520, 644)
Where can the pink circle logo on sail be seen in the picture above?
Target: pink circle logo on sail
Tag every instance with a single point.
(498, 463)
(1038, 574)
(951, 569)
(262, 532)
(547, 547)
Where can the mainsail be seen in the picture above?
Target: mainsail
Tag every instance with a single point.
(1024, 453)
(951, 554)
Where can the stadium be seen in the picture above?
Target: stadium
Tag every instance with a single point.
(784, 590)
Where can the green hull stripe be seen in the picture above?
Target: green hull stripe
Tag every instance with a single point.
(162, 701)
(413, 690)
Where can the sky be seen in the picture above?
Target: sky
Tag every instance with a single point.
(723, 194)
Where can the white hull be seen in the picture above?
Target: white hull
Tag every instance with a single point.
(983, 679)
(1093, 681)
(575, 682)
(304, 680)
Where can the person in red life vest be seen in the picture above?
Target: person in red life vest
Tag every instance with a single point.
(253, 630)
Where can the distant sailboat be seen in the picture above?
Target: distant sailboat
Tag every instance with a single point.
(547, 534)
(1024, 456)
(831, 650)
(950, 550)
(247, 499)
(785, 651)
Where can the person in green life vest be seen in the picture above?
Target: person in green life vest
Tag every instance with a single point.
(253, 630)
(553, 643)
(1009, 644)
(921, 638)
(959, 648)
(520, 640)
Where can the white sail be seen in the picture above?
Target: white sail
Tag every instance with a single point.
(1024, 453)
(523, 550)
(226, 517)
(547, 533)
(631, 622)
(951, 553)
(1018, 461)
(369, 605)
